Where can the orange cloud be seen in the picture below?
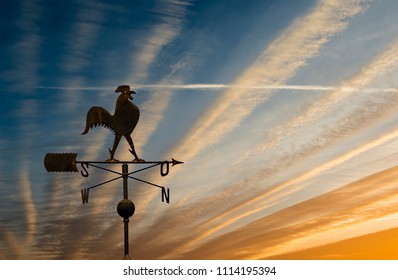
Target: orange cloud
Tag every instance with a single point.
(327, 215)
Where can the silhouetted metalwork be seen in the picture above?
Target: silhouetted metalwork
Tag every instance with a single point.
(60, 162)
(164, 168)
(66, 162)
(122, 122)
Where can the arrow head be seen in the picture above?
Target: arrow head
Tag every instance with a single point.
(175, 162)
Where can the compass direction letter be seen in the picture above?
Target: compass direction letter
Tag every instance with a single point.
(85, 193)
(166, 195)
(162, 171)
(85, 173)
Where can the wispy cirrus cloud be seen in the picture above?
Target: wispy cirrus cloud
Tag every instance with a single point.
(274, 67)
(358, 113)
(224, 207)
(80, 42)
(24, 77)
(171, 16)
(348, 118)
(304, 223)
(228, 206)
(51, 235)
(82, 38)
(272, 196)
(279, 78)
(279, 62)
(161, 34)
(30, 208)
(25, 74)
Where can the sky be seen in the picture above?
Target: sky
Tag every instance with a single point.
(285, 114)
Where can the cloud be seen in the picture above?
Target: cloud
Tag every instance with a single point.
(203, 221)
(266, 196)
(275, 66)
(350, 108)
(172, 15)
(86, 30)
(25, 74)
(12, 247)
(279, 62)
(303, 223)
(100, 214)
(82, 38)
(217, 87)
(30, 208)
(383, 63)
(376, 246)
(358, 116)
(382, 105)
(23, 78)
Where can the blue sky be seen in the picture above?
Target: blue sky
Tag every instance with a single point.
(276, 108)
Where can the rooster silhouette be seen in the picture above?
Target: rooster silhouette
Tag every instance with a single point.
(122, 123)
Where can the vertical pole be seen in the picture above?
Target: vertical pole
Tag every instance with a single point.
(125, 171)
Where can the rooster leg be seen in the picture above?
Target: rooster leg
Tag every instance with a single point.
(132, 151)
(115, 144)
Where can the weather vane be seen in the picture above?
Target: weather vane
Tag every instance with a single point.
(122, 123)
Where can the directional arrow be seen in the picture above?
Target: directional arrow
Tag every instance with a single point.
(66, 162)
(175, 162)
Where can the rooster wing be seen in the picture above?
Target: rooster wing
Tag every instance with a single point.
(99, 116)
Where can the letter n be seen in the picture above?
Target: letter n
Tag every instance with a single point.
(85, 195)
(166, 195)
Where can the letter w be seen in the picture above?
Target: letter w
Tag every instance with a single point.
(85, 195)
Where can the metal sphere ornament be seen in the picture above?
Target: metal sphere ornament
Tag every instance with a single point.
(125, 208)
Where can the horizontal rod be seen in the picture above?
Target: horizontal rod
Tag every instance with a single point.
(106, 182)
(146, 182)
(123, 162)
(145, 168)
(106, 169)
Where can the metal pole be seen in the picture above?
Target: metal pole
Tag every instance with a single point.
(125, 209)
(126, 239)
(125, 171)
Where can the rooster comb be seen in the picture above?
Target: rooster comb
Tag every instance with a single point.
(124, 88)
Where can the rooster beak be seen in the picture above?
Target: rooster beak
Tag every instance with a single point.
(130, 96)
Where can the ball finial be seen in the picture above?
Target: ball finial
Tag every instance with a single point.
(125, 208)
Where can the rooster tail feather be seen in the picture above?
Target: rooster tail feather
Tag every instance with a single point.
(98, 116)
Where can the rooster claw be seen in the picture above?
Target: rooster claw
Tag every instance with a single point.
(112, 160)
(136, 159)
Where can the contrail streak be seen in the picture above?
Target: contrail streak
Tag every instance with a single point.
(227, 86)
